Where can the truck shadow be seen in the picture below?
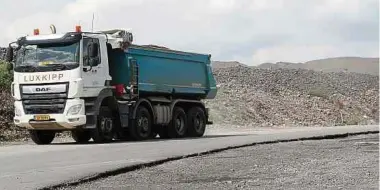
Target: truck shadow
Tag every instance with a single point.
(157, 139)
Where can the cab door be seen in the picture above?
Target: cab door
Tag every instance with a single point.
(94, 69)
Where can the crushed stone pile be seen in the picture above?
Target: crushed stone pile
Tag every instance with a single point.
(293, 97)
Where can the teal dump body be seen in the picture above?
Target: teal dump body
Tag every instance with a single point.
(163, 71)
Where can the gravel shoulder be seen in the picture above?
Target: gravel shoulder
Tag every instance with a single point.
(348, 163)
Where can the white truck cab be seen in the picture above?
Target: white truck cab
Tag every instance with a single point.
(57, 75)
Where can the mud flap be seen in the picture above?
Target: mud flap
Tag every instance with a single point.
(123, 107)
(208, 122)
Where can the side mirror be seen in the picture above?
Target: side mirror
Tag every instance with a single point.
(92, 49)
(94, 62)
(9, 55)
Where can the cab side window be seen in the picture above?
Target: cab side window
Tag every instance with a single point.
(86, 58)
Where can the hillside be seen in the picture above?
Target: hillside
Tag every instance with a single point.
(349, 64)
(226, 64)
(278, 65)
(338, 64)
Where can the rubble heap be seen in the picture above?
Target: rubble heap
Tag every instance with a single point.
(293, 97)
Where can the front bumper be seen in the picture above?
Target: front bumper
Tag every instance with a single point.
(57, 121)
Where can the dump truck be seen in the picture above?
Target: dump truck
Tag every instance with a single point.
(101, 86)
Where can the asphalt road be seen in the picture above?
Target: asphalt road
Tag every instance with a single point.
(349, 163)
(30, 166)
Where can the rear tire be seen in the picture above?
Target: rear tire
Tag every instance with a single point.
(177, 127)
(42, 137)
(81, 136)
(104, 131)
(196, 119)
(141, 128)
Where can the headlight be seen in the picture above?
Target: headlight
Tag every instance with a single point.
(17, 112)
(73, 110)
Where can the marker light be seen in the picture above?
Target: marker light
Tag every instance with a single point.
(119, 89)
(36, 31)
(78, 29)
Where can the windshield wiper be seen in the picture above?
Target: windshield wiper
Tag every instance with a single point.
(58, 66)
(26, 68)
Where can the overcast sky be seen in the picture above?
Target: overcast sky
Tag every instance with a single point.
(249, 31)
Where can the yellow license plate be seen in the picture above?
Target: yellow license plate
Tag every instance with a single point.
(41, 117)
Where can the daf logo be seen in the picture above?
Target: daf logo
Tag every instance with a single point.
(54, 88)
(42, 89)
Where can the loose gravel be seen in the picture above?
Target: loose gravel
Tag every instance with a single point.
(256, 97)
(349, 163)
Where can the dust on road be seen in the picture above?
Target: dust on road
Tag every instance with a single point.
(349, 163)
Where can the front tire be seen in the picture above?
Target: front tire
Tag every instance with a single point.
(104, 131)
(141, 128)
(42, 137)
(196, 122)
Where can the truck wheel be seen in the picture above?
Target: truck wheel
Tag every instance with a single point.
(104, 131)
(42, 137)
(141, 127)
(81, 136)
(196, 122)
(178, 125)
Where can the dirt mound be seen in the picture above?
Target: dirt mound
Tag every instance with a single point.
(294, 97)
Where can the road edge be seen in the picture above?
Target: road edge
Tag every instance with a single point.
(135, 167)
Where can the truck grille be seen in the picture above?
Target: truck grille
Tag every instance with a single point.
(44, 103)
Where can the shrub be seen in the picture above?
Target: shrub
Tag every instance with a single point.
(5, 76)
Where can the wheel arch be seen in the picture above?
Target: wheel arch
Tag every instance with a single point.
(187, 104)
(105, 98)
(147, 104)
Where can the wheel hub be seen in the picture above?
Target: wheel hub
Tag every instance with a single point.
(106, 125)
(179, 124)
(143, 124)
(197, 122)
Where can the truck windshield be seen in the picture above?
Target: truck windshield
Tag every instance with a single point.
(51, 57)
